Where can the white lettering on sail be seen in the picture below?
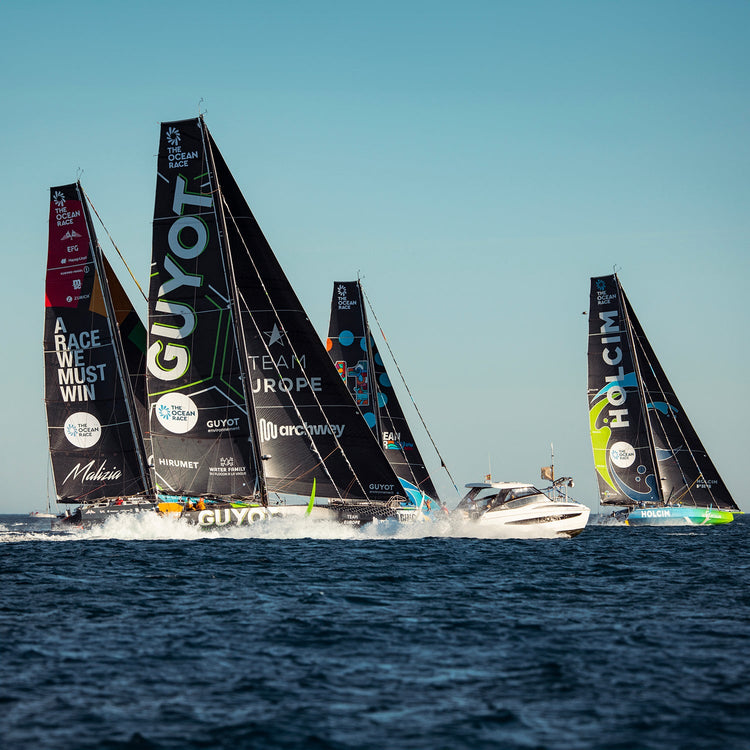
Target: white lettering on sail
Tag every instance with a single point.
(286, 385)
(616, 394)
(270, 431)
(166, 360)
(76, 379)
(87, 473)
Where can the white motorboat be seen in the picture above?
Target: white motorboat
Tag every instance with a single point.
(518, 505)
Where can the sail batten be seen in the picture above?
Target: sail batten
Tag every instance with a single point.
(646, 451)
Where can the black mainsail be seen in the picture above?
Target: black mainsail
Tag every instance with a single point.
(94, 358)
(646, 451)
(234, 356)
(352, 349)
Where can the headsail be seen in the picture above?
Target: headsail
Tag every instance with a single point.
(645, 449)
(353, 350)
(687, 474)
(216, 272)
(94, 348)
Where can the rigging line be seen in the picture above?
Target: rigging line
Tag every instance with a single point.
(297, 358)
(114, 245)
(689, 488)
(403, 380)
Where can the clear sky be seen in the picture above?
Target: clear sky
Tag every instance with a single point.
(476, 162)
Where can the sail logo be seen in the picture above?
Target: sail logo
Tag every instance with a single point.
(176, 412)
(59, 198)
(82, 429)
(612, 355)
(88, 473)
(175, 155)
(286, 385)
(271, 431)
(602, 298)
(167, 360)
(342, 300)
(622, 454)
(76, 379)
(275, 336)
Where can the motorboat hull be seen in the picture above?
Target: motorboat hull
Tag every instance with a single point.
(546, 516)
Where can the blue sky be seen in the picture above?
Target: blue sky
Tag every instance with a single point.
(476, 162)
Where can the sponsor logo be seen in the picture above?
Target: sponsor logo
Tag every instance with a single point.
(222, 425)
(381, 487)
(275, 336)
(342, 300)
(234, 516)
(178, 463)
(188, 236)
(82, 429)
(176, 412)
(612, 356)
(88, 473)
(271, 431)
(286, 385)
(622, 454)
(602, 298)
(656, 513)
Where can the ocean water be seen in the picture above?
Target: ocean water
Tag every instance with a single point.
(147, 634)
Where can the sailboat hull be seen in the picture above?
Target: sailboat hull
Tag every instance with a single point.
(99, 512)
(679, 516)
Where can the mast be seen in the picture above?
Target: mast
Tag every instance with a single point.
(119, 354)
(372, 377)
(239, 340)
(639, 381)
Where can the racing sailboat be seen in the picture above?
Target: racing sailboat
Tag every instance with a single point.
(244, 400)
(354, 352)
(94, 365)
(648, 457)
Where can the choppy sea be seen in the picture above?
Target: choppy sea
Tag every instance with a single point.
(147, 634)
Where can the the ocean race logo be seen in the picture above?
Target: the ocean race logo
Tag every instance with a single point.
(176, 157)
(622, 454)
(343, 301)
(603, 297)
(82, 429)
(176, 412)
